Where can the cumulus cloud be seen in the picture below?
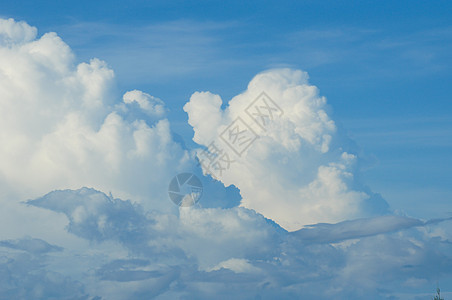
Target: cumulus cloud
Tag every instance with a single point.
(12, 32)
(95, 216)
(277, 143)
(230, 253)
(63, 125)
(151, 105)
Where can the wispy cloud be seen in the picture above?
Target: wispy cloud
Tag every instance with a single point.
(415, 53)
(157, 51)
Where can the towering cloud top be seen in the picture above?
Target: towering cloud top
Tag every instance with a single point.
(278, 145)
(12, 32)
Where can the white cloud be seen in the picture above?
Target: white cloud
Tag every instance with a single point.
(236, 265)
(62, 126)
(151, 105)
(234, 253)
(297, 171)
(12, 32)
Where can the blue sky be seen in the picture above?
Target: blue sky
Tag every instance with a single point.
(384, 68)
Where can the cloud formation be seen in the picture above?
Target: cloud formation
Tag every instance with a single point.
(234, 253)
(277, 144)
(63, 125)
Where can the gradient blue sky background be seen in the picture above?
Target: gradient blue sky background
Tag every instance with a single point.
(384, 66)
